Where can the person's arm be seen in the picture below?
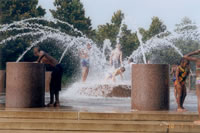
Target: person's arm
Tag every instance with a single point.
(121, 75)
(177, 74)
(114, 75)
(193, 53)
(42, 54)
(172, 71)
(190, 58)
(113, 78)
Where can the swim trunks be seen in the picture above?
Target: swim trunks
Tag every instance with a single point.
(85, 62)
(116, 64)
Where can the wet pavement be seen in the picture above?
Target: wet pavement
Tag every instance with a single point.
(121, 104)
(112, 104)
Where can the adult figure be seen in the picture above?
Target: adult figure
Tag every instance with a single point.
(190, 56)
(85, 62)
(116, 57)
(56, 76)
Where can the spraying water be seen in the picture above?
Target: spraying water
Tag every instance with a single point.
(142, 49)
(99, 65)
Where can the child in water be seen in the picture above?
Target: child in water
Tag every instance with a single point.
(173, 74)
(117, 72)
(182, 73)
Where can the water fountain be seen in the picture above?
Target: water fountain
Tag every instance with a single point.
(99, 64)
(98, 58)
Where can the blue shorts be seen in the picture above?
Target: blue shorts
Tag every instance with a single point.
(116, 64)
(174, 79)
(85, 63)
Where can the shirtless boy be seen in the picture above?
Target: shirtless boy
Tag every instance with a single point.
(116, 57)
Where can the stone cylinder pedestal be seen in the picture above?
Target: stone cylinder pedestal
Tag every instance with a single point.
(2, 81)
(150, 87)
(47, 81)
(25, 85)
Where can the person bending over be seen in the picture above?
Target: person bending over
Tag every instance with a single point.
(190, 56)
(56, 75)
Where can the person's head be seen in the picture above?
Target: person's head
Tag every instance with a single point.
(118, 46)
(122, 69)
(130, 60)
(184, 62)
(88, 46)
(36, 51)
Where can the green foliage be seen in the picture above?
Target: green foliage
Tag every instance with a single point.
(168, 55)
(110, 30)
(73, 12)
(155, 28)
(117, 18)
(185, 25)
(15, 10)
(129, 41)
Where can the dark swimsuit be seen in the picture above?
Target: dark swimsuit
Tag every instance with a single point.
(41, 58)
(56, 77)
(182, 75)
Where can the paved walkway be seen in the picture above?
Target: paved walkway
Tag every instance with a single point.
(113, 104)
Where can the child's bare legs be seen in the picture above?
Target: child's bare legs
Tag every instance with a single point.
(85, 71)
(184, 93)
(179, 97)
(175, 94)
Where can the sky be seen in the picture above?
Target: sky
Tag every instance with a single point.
(138, 13)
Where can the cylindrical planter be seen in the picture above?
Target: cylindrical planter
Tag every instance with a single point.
(47, 80)
(25, 85)
(150, 87)
(2, 81)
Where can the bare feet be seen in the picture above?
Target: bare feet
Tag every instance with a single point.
(181, 110)
(50, 105)
(197, 122)
(184, 109)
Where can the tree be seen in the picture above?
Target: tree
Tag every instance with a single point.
(15, 10)
(187, 41)
(155, 28)
(186, 24)
(110, 30)
(73, 12)
(129, 41)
